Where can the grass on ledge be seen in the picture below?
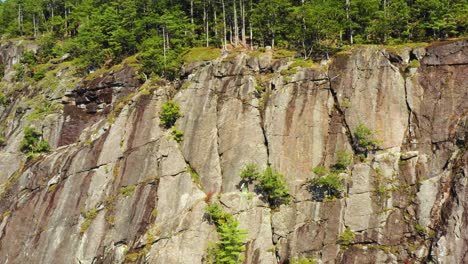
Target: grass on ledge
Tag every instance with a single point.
(201, 54)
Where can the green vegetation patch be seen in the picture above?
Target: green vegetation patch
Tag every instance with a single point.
(42, 107)
(327, 187)
(365, 139)
(89, 217)
(282, 53)
(303, 63)
(231, 246)
(410, 45)
(414, 64)
(33, 142)
(127, 191)
(424, 231)
(270, 184)
(343, 161)
(177, 135)
(195, 176)
(3, 99)
(302, 261)
(170, 112)
(346, 238)
(201, 54)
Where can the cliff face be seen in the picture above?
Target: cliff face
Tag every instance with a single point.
(117, 188)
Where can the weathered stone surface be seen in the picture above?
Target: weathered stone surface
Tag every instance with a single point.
(370, 90)
(118, 188)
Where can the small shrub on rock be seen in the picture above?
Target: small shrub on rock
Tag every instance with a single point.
(320, 170)
(177, 134)
(3, 99)
(330, 186)
(33, 142)
(170, 112)
(229, 248)
(3, 140)
(364, 139)
(302, 261)
(250, 173)
(343, 160)
(2, 70)
(346, 238)
(271, 184)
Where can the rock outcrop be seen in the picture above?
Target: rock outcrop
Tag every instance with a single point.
(117, 188)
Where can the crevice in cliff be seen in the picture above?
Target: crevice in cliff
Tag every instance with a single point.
(265, 137)
(337, 106)
(447, 64)
(218, 137)
(410, 131)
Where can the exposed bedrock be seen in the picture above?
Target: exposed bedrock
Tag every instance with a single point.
(118, 188)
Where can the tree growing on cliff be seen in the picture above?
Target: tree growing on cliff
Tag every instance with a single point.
(170, 112)
(33, 143)
(229, 248)
(270, 184)
(364, 139)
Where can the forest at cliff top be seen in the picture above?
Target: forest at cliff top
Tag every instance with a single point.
(99, 31)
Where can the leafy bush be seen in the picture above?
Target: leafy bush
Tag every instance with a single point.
(320, 170)
(19, 71)
(229, 248)
(2, 70)
(177, 134)
(414, 64)
(89, 217)
(170, 112)
(33, 143)
(271, 184)
(423, 231)
(3, 99)
(29, 58)
(42, 108)
(2, 140)
(217, 215)
(364, 139)
(39, 75)
(326, 187)
(343, 160)
(250, 173)
(303, 261)
(127, 191)
(195, 176)
(346, 238)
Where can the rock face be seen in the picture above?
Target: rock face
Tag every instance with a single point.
(117, 188)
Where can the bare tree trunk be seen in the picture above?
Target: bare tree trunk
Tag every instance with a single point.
(236, 26)
(207, 30)
(224, 25)
(164, 49)
(250, 26)
(350, 30)
(205, 21)
(242, 7)
(168, 45)
(215, 19)
(65, 34)
(20, 20)
(191, 13)
(385, 20)
(273, 41)
(34, 25)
